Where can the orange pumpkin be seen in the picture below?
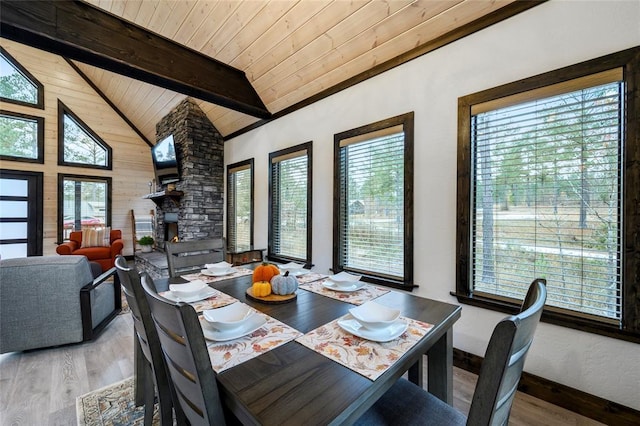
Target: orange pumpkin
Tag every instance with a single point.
(264, 272)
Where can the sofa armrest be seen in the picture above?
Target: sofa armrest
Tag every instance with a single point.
(67, 247)
(116, 247)
(88, 328)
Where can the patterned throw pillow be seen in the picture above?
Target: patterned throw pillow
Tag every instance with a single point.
(99, 237)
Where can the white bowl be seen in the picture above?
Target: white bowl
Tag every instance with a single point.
(291, 266)
(188, 289)
(228, 317)
(374, 316)
(219, 267)
(345, 279)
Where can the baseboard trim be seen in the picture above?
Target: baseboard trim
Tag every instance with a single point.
(580, 402)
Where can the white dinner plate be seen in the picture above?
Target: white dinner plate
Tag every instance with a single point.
(351, 325)
(217, 273)
(204, 294)
(253, 323)
(346, 288)
(299, 272)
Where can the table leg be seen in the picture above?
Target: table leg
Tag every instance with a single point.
(440, 368)
(139, 372)
(415, 372)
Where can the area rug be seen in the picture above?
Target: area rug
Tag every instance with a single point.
(112, 405)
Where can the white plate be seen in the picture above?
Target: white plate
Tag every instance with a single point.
(217, 273)
(345, 277)
(341, 287)
(204, 294)
(253, 323)
(351, 325)
(299, 272)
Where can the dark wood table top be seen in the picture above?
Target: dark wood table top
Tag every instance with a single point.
(295, 385)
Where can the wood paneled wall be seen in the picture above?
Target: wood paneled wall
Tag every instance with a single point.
(132, 166)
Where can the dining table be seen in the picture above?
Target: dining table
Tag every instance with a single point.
(297, 384)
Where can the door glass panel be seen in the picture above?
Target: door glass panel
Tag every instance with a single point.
(13, 231)
(14, 187)
(17, 209)
(10, 251)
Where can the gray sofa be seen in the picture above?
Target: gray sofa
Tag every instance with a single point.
(53, 300)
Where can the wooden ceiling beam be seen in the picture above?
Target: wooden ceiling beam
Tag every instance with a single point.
(80, 31)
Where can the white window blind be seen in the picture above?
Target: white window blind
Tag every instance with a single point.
(547, 199)
(372, 204)
(289, 205)
(239, 208)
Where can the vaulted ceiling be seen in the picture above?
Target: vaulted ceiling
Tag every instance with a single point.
(291, 51)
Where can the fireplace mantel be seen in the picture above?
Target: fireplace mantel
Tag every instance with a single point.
(160, 196)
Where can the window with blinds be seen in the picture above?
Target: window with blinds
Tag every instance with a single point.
(290, 204)
(372, 235)
(546, 190)
(240, 206)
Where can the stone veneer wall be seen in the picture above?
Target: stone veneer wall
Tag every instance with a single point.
(200, 152)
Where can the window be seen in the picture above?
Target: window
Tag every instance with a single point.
(373, 187)
(240, 206)
(290, 204)
(21, 137)
(78, 145)
(17, 85)
(85, 202)
(546, 175)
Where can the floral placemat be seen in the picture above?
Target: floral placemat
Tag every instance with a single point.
(238, 272)
(217, 300)
(310, 277)
(358, 297)
(366, 357)
(272, 334)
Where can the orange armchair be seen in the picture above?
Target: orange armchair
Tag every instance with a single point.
(105, 256)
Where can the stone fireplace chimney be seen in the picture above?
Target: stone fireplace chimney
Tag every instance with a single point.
(198, 214)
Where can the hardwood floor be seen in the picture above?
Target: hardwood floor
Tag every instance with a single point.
(40, 387)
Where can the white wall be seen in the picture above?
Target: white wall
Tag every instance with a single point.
(547, 37)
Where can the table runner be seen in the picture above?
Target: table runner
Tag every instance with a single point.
(365, 357)
(218, 300)
(358, 297)
(239, 272)
(272, 334)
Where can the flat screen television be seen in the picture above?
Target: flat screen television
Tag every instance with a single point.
(165, 161)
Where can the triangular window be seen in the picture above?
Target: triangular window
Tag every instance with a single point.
(17, 85)
(78, 145)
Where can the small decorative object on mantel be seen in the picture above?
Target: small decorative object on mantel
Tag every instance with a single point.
(146, 244)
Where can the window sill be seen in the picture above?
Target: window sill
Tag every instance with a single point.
(551, 316)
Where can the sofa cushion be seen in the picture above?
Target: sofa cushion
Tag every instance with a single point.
(94, 253)
(98, 237)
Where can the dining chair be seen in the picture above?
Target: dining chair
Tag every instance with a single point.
(153, 367)
(185, 257)
(187, 359)
(408, 404)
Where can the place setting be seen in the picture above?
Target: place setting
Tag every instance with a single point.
(368, 339)
(219, 271)
(198, 294)
(237, 332)
(345, 287)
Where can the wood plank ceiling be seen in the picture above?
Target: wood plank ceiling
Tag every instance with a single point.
(290, 50)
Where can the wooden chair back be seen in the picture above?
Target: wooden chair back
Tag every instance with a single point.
(149, 342)
(504, 360)
(186, 357)
(185, 257)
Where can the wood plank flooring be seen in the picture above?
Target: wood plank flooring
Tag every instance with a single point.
(40, 387)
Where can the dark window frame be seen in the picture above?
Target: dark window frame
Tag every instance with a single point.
(40, 88)
(230, 167)
(64, 110)
(407, 121)
(629, 329)
(308, 147)
(40, 142)
(88, 178)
